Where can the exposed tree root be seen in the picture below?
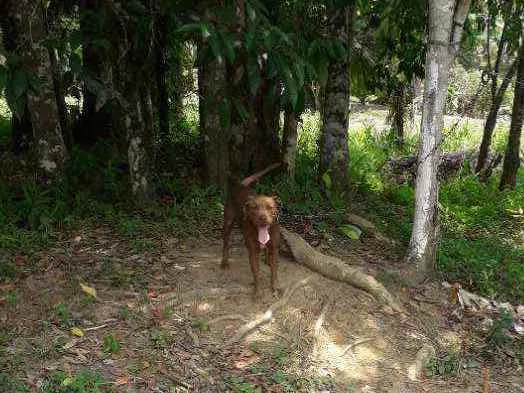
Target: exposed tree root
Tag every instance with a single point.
(249, 327)
(368, 227)
(336, 269)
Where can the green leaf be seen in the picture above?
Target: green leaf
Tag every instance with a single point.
(253, 75)
(300, 73)
(327, 180)
(290, 86)
(339, 50)
(191, 28)
(228, 48)
(323, 71)
(241, 110)
(249, 39)
(224, 113)
(102, 43)
(75, 62)
(3, 77)
(351, 231)
(18, 83)
(216, 48)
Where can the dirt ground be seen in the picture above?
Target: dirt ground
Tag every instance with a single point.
(171, 311)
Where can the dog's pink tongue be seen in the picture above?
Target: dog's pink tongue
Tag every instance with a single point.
(263, 235)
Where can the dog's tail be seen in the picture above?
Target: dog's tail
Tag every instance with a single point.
(256, 176)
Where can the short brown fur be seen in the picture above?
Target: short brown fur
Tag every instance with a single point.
(251, 211)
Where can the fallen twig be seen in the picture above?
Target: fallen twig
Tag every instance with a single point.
(350, 347)
(226, 317)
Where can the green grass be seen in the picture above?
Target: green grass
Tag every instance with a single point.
(82, 382)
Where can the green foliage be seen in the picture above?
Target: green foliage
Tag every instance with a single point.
(111, 344)
(448, 364)
(239, 385)
(63, 315)
(10, 384)
(499, 344)
(82, 382)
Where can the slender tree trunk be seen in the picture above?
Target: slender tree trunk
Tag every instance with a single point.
(212, 85)
(60, 99)
(334, 156)
(491, 120)
(446, 18)
(511, 158)
(289, 143)
(398, 114)
(265, 117)
(28, 21)
(137, 118)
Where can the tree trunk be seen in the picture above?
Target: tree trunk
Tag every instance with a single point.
(161, 68)
(241, 137)
(289, 143)
(511, 158)
(60, 99)
(398, 114)
(138, 124)
(491, 120)
(334, 156)
(96, 123)
(446, 18)
(133, 75)
(265, 117)
(212, 85)
(28, 22)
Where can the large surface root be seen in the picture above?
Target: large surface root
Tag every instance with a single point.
(336, 269)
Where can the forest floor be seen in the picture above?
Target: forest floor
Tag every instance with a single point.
(163, 313)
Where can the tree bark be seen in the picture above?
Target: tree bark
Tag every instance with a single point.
(511, 158)
(398, 114)
(491, 120)
(265, 116)
(334, 155)
(28, 21)
(161, 69)
(212, 85)
(132, 69)
(240, 135)
(289, 143)
(446, 18)
(95, 123)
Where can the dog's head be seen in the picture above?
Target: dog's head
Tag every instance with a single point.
(261, 210)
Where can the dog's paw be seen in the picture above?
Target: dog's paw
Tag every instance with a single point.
(277, 292)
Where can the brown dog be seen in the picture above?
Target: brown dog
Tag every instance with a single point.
(257, 216)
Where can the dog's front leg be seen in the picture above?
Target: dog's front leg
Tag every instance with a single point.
(254, 261)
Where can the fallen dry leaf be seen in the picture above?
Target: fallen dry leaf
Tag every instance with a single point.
(122, 380)
(77, 332)
(88, 290)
